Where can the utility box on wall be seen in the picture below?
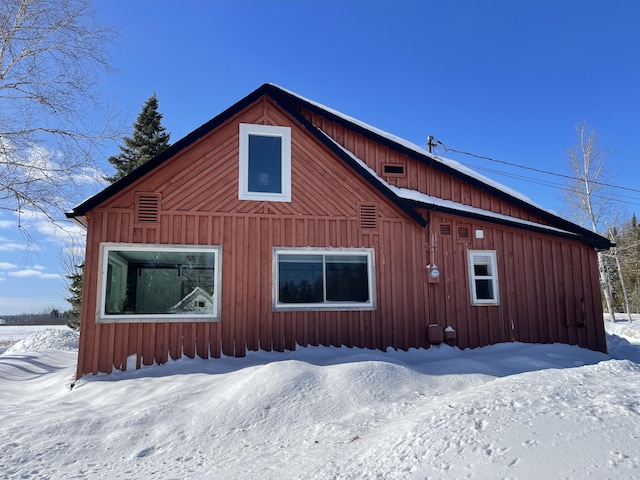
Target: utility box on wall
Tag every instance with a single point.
(435, 333)
(450, 336)
(433, 273)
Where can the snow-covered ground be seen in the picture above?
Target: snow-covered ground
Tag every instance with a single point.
(12, 333)
(516, 411)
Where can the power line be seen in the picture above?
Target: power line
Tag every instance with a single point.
(631, 200)
(533, 169)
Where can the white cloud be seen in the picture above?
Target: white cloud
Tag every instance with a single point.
(7, 245)
(8, 224)
(30, 272)
(90, 175)
(58, 232)
(7, 266)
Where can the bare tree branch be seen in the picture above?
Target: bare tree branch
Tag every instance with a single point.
(588, 197)
(53, 120)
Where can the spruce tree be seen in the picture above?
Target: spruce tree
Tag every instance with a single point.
(75, 298)
(149, 139)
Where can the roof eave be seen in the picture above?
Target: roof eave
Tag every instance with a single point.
(181, 144)
(599, 242)
(596, 241)
(321, 136)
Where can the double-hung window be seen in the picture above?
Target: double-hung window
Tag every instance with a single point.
(323, 279)
(483, 277)
(265, 163)
(159, 283)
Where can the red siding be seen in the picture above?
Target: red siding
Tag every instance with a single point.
(548, 286)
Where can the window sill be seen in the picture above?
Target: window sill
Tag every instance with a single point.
(306, 307)
(156, 319)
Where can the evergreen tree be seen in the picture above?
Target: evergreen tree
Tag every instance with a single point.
(149, 139)
(75, 299)
(628, 248)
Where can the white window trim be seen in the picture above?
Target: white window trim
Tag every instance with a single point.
(247, 129)
(471, 255)
(332, 306)
(105, 247)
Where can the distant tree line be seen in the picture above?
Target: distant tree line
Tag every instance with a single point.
(49, 317)
(622, 264)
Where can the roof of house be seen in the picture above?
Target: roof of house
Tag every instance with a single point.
(185, 305)
(405, 199)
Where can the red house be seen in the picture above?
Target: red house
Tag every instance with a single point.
(282, 223)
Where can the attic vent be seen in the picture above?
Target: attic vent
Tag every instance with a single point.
(392, 169)
(368, 216)
(463, 231)
(147, 207)
(445, 229)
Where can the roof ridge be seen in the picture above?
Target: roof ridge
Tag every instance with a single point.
(290, 101)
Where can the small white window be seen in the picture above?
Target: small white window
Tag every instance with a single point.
(265, 163)
(483, 277)
(323, 279)
(159, 283)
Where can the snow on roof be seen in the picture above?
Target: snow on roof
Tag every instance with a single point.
(435, 201)
(453, 164)
(425, 199)
(196, 294)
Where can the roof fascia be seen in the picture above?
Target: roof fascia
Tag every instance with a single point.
(172, 150)
(591, 240)
(288, 101)
(562, 223)
(321, 136)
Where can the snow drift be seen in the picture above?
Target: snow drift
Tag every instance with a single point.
(506, 411)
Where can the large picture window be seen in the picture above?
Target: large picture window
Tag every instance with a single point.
(265, 163)
(483, 277)
(142, 282)
(324, 279)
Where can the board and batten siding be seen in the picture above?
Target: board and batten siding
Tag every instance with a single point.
(548, 289)
(199, 206)
(418, 176)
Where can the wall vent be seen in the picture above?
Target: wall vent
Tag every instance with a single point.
(393, 170)
(463, 231)
(147, 207)
(368, 216)
(445, 229)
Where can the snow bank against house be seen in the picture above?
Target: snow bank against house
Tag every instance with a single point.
(46, 339)
(512, 410)
(623, 337)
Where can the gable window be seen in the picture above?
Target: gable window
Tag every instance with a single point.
(323, 279)
(147, 283)
(483, 277)
(265, 163)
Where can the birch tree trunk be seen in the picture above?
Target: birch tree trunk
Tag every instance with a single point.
(587, 195)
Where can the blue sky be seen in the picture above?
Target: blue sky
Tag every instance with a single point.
(503, 79)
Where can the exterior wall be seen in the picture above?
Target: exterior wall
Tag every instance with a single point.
(418, 176)
(200, 206)
(549, 288)
(546, 302)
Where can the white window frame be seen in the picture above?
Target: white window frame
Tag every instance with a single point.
(333, 306)
(246, 130)
(473, 257)
(106, 247)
